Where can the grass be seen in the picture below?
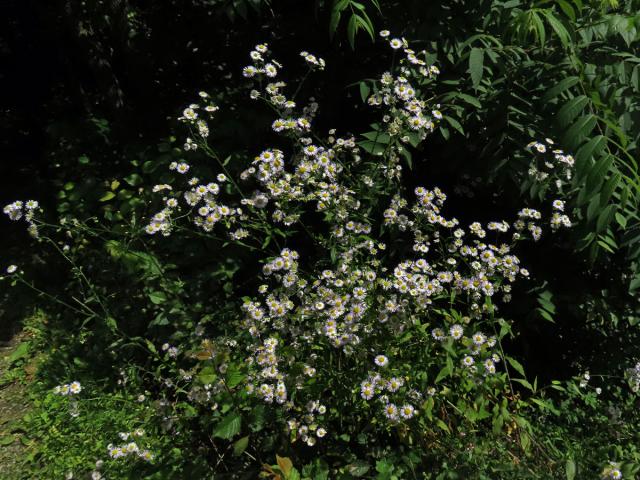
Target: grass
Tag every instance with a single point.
(17, 370)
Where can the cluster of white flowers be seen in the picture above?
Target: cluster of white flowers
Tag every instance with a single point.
(201, 198)
(131, 448)
(388, 389)
(313, 61)
(406, 112)
(361, 297)
(26, 211)
(191, 116)
(550, 161)
(306, 427)
(72, 388)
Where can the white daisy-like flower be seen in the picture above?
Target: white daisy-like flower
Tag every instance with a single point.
(381, 360)
(75, 387)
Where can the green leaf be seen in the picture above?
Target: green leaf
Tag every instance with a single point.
(589, 150)
(609, 187)
(442, 425)
(454, 123)
(229, 426)
(621, 219)
(157, 298)
(336, 13)
(523, 382)
(20, 352)
(572, 109)
(207, 375)
(378, 137)
(605, 218)
(234, 378)
(560, 87)
(539, 28)
(374, 148)
(358, 469)
(364, 91)
(352, 28)
(240, 446)
(293, 475)
(558, 27)
(476, 65)
(107, 196)
(134, 179)
(567, 9)
(597, 174)
(469, 99)
(580, 130)
(570, 469)
(517, 366)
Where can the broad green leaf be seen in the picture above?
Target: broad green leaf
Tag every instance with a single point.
(470, 100)
(157, 298)
(597, 174)
(609, 187)
(234, 378)
(560, 87)
(379, 137)
(589, 150)
(240, 446)
(594, 207)
(454, 123)
(134, 179)
(571, 110)
(605, 218)
(364, 91)
(207, 375)
(229, 426)
(476, 65)
(580, 130)
(374, 148)
(107, 196)
(621, 219)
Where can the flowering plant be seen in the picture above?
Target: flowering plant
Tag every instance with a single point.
(376, 317)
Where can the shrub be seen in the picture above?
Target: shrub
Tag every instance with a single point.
(370, 343)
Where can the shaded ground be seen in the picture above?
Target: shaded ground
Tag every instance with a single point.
(16, 371)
